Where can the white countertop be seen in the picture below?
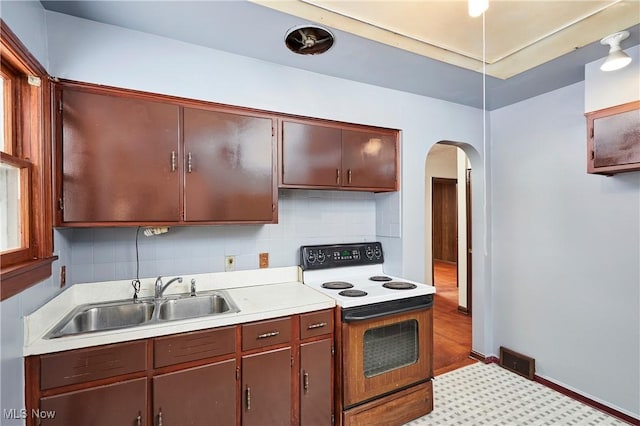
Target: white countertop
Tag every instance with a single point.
(259, 294)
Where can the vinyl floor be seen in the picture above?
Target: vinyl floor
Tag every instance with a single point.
(487, 394)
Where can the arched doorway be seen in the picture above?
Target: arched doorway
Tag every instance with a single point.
(448, 225)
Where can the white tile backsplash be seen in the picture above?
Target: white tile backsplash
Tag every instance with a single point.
(305, 217)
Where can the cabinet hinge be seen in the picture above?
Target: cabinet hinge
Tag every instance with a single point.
(592, 133)
(333, 418)
(333, 351)
(273, 207)
(60, 204)
(60, 105)
(292, 361)
(593, 155)
(237, 373)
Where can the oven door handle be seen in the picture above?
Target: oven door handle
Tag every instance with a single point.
(377, 310)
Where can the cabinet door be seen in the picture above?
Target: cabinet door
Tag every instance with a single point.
(123, 403)
(315, 386)
(197, 396)
(311, 155)
(614, 140)
(229, 162)
(369, 160)
(266, 388)
(119, 159)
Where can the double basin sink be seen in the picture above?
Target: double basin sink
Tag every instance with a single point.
(127, 313)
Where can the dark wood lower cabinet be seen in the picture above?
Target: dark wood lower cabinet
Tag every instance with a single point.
(196, 396)
(266, 388)
(275, 372)
(315, 383)
(122, 403)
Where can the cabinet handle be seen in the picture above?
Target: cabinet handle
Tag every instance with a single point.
(337, 175)
(189, 163)
(139, 420)
(305, 381)
(173, 161)
(160, 418)
(316, 325)
(248, 397)
(266, 335)
(349, 176)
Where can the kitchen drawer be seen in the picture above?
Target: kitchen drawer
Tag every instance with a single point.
(83, 365)
(316, 323)
(193, 346)
(396, 409)
(266, 333)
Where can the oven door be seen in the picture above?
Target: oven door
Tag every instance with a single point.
(386, 354)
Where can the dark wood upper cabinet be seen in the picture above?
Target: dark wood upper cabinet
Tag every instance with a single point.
(333, 156)
(229, 167)
(613, 139)
(129, 158)
(116, 159)
(311, 155)
(369, 159)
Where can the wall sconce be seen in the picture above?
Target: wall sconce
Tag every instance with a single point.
(478, 7)
(617, 58)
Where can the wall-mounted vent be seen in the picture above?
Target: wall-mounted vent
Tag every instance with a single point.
(518, 363)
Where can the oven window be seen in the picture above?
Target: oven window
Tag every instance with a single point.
(390, 347)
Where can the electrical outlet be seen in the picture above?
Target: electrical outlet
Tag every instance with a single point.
(264, 260)
(63, 276)
(229, 263)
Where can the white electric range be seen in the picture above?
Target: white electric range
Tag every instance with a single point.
(354, 275)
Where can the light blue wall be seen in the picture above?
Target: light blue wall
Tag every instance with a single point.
(27, 20)
(566, 251)
(305, 217)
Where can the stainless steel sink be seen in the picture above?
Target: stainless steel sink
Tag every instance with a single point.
(194, 306)
(100, 317)
(125, 313)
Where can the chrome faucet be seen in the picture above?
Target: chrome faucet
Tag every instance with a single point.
(161, 288)
(193, 286)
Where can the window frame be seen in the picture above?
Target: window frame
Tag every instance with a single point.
(31, 152)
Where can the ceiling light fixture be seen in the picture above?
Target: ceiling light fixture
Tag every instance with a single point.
(478, 7)
(617, 58)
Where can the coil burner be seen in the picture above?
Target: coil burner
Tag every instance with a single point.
(399, 285)
(337, 285)
(380, 278)
(352, 293)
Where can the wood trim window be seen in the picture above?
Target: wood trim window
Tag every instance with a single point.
(26, 241)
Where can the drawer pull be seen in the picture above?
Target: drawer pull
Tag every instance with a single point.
(305, 382)
(337, 176)
(267, 335)
(316, 325)
(248, 397)
(160, 418)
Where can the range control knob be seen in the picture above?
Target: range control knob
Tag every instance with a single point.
(321, 257)
(377, 252)
(368, 251)
(311, 256)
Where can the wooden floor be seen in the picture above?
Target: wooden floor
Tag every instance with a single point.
(451, 329)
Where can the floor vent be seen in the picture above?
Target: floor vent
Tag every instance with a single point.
(518, 363)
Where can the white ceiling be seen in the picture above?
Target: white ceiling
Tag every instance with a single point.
(427, 47)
